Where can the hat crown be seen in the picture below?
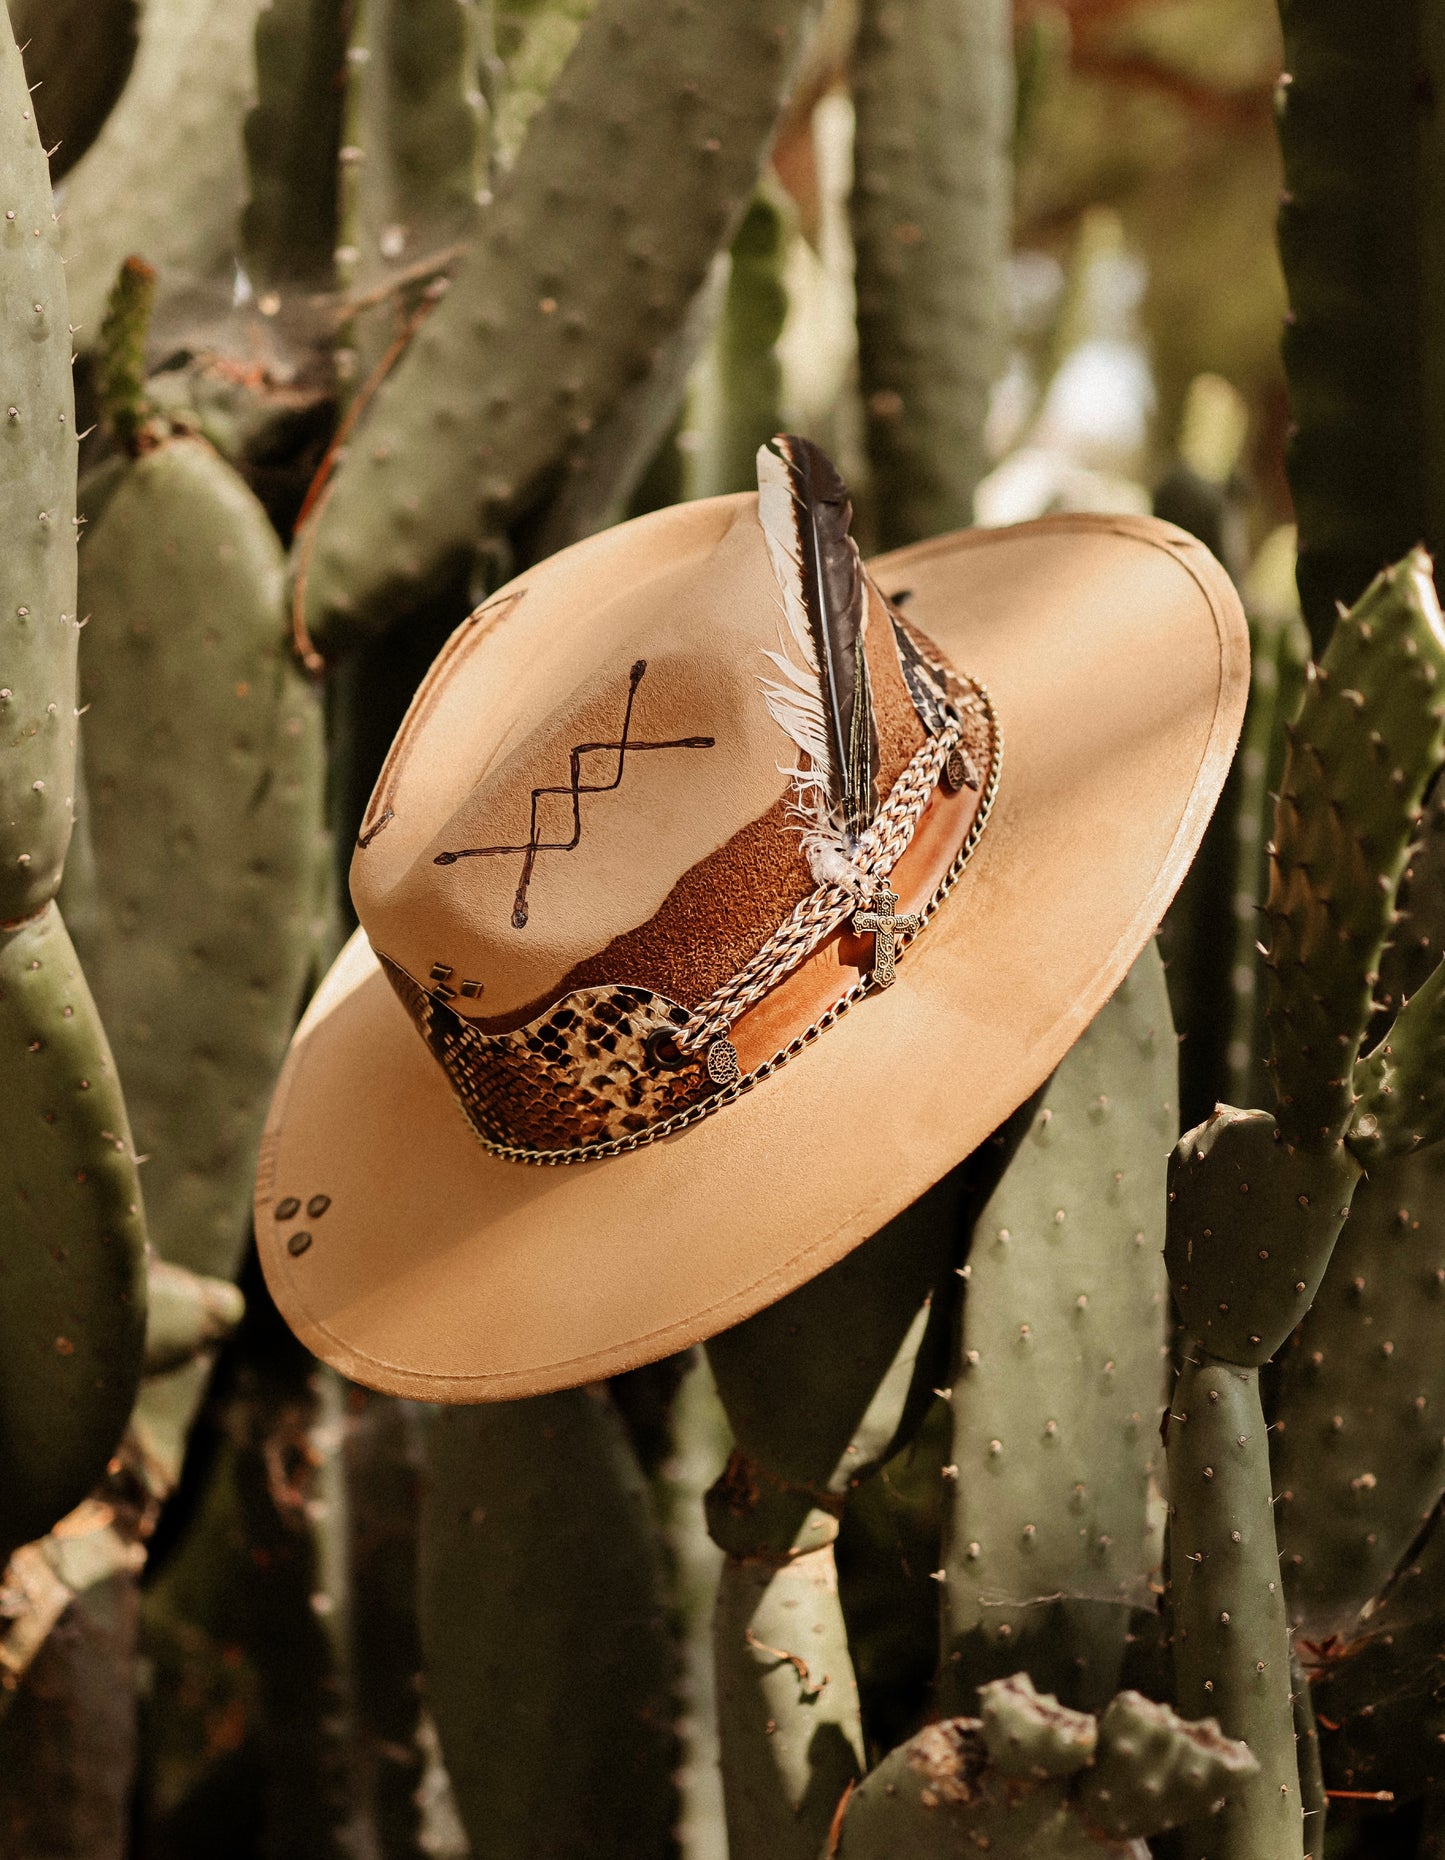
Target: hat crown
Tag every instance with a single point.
(590, 788)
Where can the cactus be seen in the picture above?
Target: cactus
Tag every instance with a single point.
(436, 273)
(1279, 653)
(71, 1232)
(1359, 239)
(1258, 1200)
(1031, 1778)
(1358, 1455)
(1049, 1545)
(165, 178)
(931, 213)
(853, 1350)
(201, 930)
(538, 319)
(73, 1237)
(788, 1717)
(741, 386)
(1377, 1692)
(293, 138)
(549, 1664)
(533, 43)
(250, 1620)
(414, 137)
(77, 57)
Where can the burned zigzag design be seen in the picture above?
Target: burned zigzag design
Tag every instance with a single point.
(577, 788)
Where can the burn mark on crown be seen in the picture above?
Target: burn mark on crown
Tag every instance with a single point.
(576, 788)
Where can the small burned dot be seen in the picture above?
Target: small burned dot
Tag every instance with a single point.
(286, 1210)
(317, 1206)
(298, 1243)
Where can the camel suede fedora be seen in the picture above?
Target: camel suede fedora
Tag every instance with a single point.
(717, 897)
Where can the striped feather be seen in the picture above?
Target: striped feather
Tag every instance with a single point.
(821, 697)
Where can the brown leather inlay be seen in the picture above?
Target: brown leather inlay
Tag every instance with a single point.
(693, 943)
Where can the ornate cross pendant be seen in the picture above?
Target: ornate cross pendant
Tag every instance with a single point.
(885, 929)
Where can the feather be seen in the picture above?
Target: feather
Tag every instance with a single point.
(925, 677)
(821, 697)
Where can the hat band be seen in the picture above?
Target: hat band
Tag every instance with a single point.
(612, 1068)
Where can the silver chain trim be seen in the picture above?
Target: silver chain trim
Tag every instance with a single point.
(727, 1094)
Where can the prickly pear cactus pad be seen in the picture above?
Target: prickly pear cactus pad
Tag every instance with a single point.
(544, 1628)
(1030, 1778)
(38, 631)
(204, 765)
(72, 1240)
(1358, 1445)
(1367, 742)
(1048, 1542)
(166, 176)
(72, 1288)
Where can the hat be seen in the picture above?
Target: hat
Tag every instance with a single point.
(717, 897)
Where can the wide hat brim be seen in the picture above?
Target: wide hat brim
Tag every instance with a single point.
(1117, 658)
